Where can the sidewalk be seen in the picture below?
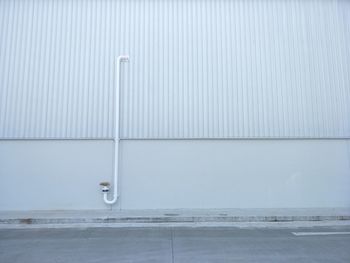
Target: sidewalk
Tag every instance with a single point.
(169, 245)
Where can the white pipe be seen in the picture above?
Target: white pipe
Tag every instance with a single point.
(116, 138)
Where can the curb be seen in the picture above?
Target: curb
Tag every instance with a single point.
(170, 219)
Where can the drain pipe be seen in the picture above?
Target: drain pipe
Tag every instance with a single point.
(116, 139)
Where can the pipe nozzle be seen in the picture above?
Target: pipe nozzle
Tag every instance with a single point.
(105, 187)
(105, 184)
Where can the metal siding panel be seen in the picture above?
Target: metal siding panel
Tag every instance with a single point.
(198, 69)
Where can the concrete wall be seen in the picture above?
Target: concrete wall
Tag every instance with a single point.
(65, 174)
(53, 174)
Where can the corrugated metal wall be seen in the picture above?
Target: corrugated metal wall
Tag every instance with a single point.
(198, 68)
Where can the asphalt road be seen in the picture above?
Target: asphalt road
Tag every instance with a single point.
(317, 244)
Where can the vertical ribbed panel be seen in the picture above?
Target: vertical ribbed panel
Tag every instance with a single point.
(198, 68)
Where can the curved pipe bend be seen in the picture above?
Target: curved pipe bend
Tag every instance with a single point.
(110, 202)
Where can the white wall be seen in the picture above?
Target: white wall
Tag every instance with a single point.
(197, 69)
(176, 174)
(53, 174)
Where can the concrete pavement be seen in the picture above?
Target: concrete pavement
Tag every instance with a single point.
(175, 244)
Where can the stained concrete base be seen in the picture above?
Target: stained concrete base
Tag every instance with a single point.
(173, 216)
